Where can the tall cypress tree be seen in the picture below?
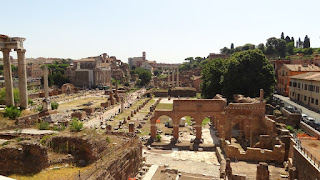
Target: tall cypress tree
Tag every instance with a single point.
(282, 35)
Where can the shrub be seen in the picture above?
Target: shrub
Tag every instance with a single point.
(126, 84)
(54, 105)
(44, 139)
(12, 112)
(40, 108)
(76, 125)
(108, 139)
(43, 125)
(30, 102)
(158, 138)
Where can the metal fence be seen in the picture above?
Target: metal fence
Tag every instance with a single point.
(306, 153)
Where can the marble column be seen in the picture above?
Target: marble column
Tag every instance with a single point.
(22, 74)
(122, 104)
(46, 83)
(178, 84)
(173, 82)
(198, 127)
(8, 77)
(45, 102)
(168, 77)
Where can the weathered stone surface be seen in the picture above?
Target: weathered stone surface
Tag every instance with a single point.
(25, 158)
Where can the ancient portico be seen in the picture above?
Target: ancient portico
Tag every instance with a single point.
(6, 45)
(197, 109)
(247, 114)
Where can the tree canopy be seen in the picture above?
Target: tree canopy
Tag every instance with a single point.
(247, 73)
(243, 73)
(212, 74)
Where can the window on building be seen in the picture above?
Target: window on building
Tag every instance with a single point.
(305, 87)
(317, 102)
(290, 84)
(312, 100)
(286, 73)
(317, 89)
(298, 85)
(293, 94)
(305, 98)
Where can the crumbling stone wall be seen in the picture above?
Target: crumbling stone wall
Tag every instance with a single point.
(88, 150)
(305, 169)
(254, 154)
(27, 121)
(25, 158)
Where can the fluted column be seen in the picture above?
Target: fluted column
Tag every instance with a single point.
(178, 84)
(8, 77)
(45, 82)
(173, 83)
(22, 74)
(168, 77)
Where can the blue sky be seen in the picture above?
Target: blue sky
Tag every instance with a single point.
(168, 30)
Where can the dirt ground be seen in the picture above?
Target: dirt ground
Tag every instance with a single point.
(250, 170)
(78, 103)
(313, 146)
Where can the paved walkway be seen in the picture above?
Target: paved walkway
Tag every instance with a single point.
(305, 110)
(131, 98)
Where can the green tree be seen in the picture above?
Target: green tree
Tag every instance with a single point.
(287, 39)
(212, 74)
(189, 59)
(290, 47)
(16, 95)
(276, 47)
(282, 35)
(261, 47)
(247, 73)
(156, 72)
(184, 67)
(306, 42)
(232, 46)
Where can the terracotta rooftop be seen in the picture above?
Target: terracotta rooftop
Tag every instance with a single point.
(295, 67)
(311, 76)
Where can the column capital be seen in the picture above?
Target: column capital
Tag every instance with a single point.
(20, 50)
(6, 50)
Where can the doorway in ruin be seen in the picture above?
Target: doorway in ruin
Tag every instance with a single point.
(238, 138)
(165, 128)
(187, 130)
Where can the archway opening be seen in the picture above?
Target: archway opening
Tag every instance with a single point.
(164, 129)
(238, 138)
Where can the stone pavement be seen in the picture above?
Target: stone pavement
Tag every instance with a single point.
(193, 162)
(305, 110)
(95, 122)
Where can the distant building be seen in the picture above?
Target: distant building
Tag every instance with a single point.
(305, 88)
(137, 61)
(214, 56)
(96, 71)
(288, 70)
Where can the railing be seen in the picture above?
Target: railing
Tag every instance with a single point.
(306, 153)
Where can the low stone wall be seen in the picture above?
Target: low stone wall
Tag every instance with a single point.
(293, 119)
(119, 167)
(222, 162)
(254, 154)
(86, 150)
(183, 92)
(308, 129)
(161, 93)
(305, 168)
(29, 158)
(27, 121)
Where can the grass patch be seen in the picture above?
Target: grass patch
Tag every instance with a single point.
(167, 106)
(205, 121)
